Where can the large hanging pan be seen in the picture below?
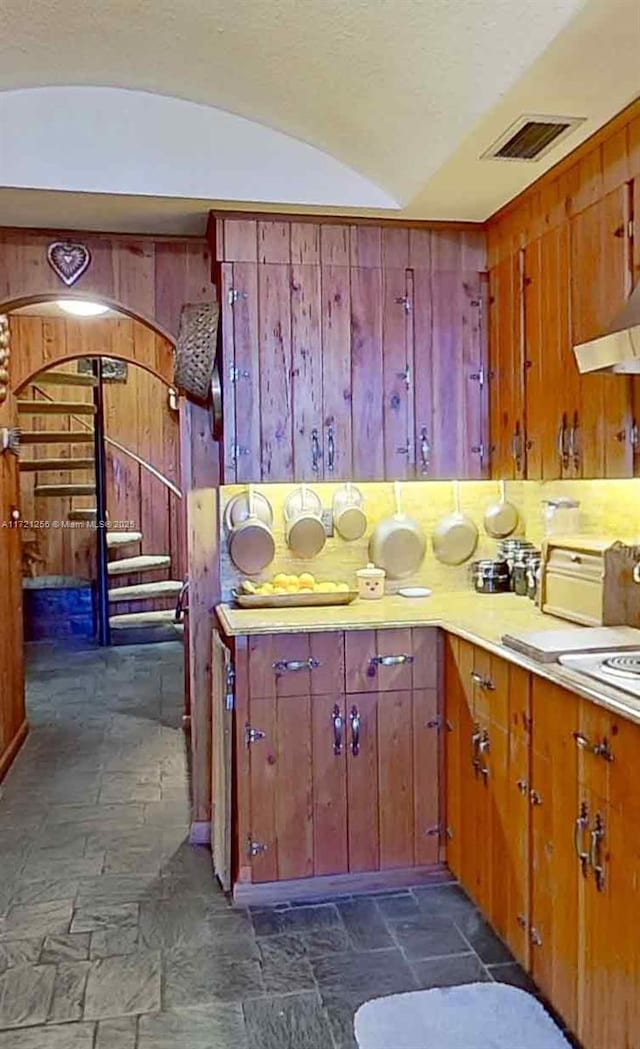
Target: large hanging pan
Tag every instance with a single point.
(500, 517)
(398, 543)
(455, 536)
(251, 543)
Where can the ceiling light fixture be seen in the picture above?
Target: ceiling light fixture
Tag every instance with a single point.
(82, 308)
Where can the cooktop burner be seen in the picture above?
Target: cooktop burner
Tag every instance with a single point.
(624, 666)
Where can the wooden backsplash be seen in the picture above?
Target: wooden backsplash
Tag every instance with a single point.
(608, 508)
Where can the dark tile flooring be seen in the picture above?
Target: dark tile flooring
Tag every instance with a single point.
(113, 934)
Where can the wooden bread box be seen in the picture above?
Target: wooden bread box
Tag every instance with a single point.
(590, 581)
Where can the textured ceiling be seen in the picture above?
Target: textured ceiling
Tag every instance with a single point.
(405, 92)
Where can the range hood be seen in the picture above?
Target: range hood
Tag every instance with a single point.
(618, 350)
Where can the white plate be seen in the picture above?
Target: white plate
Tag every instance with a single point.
(414, 591)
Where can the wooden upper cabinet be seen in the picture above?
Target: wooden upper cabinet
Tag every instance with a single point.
(350, 351)
(506, 364)
(601, 276)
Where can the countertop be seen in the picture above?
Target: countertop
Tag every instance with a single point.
(479, 618)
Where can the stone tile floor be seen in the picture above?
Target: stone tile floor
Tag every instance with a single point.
(113, 934)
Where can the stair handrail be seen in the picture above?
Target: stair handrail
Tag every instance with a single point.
(121, 448)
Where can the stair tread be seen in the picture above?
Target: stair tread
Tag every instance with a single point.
(33, 465)
(65, 379)
(141, 591)
(56, 407)
(82, 513)
(115, 539)
(64, 490)
(132, 619)
(56, 437)
(141, 563)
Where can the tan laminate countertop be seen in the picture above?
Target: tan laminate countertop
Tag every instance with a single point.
(479, 618)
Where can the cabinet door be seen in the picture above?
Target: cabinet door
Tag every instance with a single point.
(240, 371)
(329, 763)
(367, 374)
(274, 339)
(506, 364)
(556, 869)
(461, 781)
(392, 779)
(608, 898)
(336, 373)
(518, 815)
(550, 369)
(306, 372)
(600, 283)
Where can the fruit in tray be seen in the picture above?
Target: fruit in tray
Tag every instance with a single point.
(304, 583)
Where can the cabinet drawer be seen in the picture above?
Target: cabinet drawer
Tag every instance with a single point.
(576, 563)
(296, 664)
(574, 598)
(387, 660)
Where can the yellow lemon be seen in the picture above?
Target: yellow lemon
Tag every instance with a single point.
(293, 588)
(281, 579)
(307, 580)
(343, 588)
(280, 590)
(267, 588)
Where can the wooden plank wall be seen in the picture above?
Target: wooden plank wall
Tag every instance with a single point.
(137, 415)
(149, 278)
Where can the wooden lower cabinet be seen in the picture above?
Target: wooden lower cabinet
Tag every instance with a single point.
(329, 781)
(543, 831)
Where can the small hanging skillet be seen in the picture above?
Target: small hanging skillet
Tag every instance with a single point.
(455, 536)
(501, 517)
(397, 543)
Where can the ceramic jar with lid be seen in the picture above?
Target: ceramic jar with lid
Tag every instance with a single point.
(370, 582)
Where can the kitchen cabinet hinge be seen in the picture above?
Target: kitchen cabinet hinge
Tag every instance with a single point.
(480, 376)
(236, 373)
(231, 680)
(432, 832)
(237, 451)
(535, 937)
(405, 302)
(479, 450)
(405, 375)
(234, 294)
(256, 848)
(253, 735)
(435, 723)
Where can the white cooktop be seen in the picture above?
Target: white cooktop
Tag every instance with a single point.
(618, 669)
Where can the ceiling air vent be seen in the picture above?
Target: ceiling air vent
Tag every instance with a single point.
(531, 137)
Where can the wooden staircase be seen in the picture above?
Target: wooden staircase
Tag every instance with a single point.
(141, 582)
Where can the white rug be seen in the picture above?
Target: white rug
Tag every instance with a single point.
(472, 1016)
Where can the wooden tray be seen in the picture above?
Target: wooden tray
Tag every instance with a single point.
(342, 597)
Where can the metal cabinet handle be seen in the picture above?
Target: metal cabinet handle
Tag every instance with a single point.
(522, 786)
(484, 746)
(574, 449)
(516, 448)
(595, 851)
(582, 741)
(425, 451)
(535, 937)
(483, 682)
(603, 750)
(581, 825)
(338, 725)
(562, 453)
(534, 797)
(391, 661)
(354, 720)
(282, 665)
(331, 449)
(315, 451)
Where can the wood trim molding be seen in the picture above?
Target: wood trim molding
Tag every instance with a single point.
(7, 759)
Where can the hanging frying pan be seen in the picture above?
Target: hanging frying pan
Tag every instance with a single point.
(500, 517)
(251, 544)
(455, 536)
(398, 543)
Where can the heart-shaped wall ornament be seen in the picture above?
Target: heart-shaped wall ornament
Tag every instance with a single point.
(68, 261)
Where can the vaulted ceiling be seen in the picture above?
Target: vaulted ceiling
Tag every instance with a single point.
(381, 105)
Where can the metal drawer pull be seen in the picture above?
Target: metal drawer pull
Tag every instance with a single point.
(482, 681)
(535, 798)
(338, 725)
(522, 786)
(582, 741)
(390, 661)
(425, 451)
(315, 451)
(281, 665)
(331, 449)
(581, 825)
(595, 852)
(354, 719)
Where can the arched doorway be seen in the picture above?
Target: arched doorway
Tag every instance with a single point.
(122, 415)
